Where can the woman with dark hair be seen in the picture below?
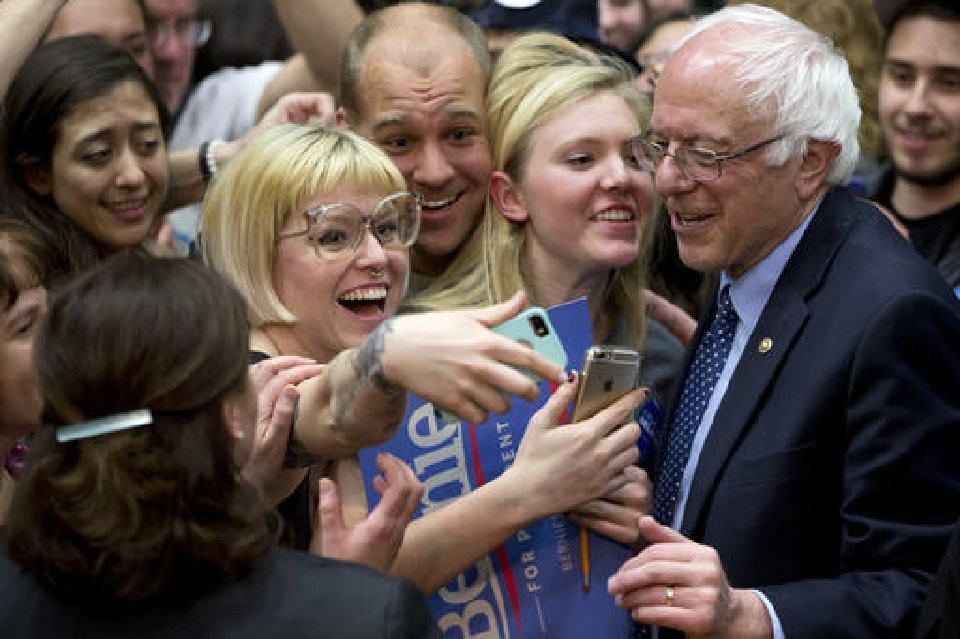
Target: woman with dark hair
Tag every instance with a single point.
(23, 263)
(132, 514)
(83, 147)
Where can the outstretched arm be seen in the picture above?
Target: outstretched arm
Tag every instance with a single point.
(186, 181)
(556, 468)
(319, 30)
(449, 358)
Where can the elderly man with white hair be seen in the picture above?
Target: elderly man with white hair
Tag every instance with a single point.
(808, 481)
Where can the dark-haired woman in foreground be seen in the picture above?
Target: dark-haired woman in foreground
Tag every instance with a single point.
(132, 516)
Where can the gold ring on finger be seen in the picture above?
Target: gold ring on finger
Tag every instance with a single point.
(668, 599)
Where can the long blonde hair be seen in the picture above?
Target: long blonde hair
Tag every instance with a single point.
(536, 76)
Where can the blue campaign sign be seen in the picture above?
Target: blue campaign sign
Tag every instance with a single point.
(532, 585)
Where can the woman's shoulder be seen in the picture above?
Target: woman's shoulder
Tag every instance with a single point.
(289, 594)
(332, 591)
(288, 568)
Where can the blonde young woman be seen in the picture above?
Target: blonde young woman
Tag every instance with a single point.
(567, 204)
(313, 227)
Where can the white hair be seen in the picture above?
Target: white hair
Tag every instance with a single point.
(794, 74)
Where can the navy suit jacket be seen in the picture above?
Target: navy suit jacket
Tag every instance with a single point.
(830, 479)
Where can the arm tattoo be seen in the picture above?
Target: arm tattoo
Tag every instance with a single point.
(368, 367)
(368, 362)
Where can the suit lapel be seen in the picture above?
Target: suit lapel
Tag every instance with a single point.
(781, 322)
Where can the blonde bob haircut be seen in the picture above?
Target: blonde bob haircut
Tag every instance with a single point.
(267, 182)
(537, 76)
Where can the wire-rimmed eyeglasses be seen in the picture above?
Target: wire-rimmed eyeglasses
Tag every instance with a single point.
(697, 164)
(190, 31)
(336, 230)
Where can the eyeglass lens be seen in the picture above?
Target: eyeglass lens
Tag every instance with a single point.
(693, 163)
(189, 31)
(339, 228)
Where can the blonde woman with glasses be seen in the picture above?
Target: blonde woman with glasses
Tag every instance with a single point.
(313, 226)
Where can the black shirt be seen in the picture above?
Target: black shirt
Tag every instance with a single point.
(936, 237)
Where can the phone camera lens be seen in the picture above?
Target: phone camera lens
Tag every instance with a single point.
(539, 326)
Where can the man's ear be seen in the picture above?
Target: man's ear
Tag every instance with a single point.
(507, 197)
(37, 178)
(815, 165)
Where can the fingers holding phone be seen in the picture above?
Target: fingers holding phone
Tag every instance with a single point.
(609, 373)
(531, 349)
(615, 433)
(566, 465)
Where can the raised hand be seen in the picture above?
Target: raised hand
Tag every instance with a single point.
(317, 108)
(300, 108)
(376, 540)
(274, 381)
(564, 465)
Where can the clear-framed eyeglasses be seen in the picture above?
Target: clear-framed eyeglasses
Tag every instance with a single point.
(696, 164)
(336, 230)
(190, 31)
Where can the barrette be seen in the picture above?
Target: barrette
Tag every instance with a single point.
(104, 425)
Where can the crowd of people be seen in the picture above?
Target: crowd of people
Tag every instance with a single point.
(220, 284)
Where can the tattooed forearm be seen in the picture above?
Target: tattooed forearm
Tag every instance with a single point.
(368, 362)
(367, 365)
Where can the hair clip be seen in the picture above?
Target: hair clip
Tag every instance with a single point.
(104, 425)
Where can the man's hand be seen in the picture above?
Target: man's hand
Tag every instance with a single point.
(678, 583)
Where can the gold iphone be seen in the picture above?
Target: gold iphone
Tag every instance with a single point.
(609, 373)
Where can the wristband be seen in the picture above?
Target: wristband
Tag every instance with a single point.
(208, 164)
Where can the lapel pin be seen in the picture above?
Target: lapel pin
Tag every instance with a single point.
(765, 345)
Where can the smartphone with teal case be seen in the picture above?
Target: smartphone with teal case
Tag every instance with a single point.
(531, 327)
